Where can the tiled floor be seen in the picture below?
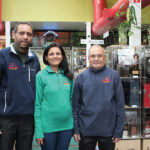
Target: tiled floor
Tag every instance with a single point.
(73, 145)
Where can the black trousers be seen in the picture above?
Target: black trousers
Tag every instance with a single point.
(89, 143)
(18, 130)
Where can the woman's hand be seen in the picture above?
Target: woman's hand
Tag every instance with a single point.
(39, 141)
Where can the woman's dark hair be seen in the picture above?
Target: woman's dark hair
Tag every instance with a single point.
(64, 64)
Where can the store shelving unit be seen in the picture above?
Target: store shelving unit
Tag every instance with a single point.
(79, 59)
(136, 85)
(146, 100)
(132, 130)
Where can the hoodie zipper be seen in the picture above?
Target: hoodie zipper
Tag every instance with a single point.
(5, 98)
(58, 81)
(29, 73)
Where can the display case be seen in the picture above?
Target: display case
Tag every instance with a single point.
(39, 52)
(126, 61)
(122, 60)
(133, 64)
(145, 63)
(69, 54)
(79, 60)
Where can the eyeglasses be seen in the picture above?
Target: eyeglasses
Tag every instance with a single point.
(94, 56)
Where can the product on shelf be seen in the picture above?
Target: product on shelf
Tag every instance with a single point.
(131, 89)
(79, 60)
(126, 130)
(132, 122)
(146, 96)
(147, 128)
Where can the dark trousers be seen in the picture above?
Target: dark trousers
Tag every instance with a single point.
(57, 140)
(89, 143)
(18, 130)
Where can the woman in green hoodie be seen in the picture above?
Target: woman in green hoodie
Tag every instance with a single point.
(53, 111)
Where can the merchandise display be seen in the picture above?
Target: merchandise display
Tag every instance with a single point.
(39, 53)
(146, 95)
(145, 71)
(69, 54)
(2, 42)
(133, 123)
(133, 64)
(79, 55)
(131, 88)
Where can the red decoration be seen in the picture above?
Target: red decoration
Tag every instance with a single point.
(105, 18)
(0, 11)
(1, 25)
(2, 28)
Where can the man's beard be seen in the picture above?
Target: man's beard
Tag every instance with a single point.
(21, 49)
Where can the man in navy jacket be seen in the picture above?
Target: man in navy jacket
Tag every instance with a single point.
(98, 104)
(18, 67)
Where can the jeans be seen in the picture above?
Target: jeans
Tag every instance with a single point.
(89, 143)
(57, 140)
(18, 130)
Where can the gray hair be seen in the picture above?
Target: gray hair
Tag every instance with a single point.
(96, 45)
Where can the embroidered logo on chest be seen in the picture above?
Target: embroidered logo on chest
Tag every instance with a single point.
(65, 82)
(106, 80)
(13, 66)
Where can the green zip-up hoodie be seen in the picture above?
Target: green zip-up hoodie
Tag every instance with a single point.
(53, 111)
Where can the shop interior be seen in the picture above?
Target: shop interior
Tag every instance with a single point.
(135, 74)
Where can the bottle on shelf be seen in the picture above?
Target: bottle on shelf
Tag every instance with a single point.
(126, 130)
(133, 129)
(147, 128)
(135, 65)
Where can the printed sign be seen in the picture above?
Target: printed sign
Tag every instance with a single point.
(136, 1)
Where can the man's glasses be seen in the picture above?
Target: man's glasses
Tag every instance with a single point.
(94, 56)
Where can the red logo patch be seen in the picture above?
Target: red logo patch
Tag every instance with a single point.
(65, 82)
(13, 66)
(106, 80)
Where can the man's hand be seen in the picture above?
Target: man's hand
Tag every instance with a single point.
(39, 141)
(77, 137)
(0, 131)
(115, 140)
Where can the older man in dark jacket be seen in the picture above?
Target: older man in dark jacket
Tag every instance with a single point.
(98, 104)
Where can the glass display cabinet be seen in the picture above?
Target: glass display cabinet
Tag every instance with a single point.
(79, 60)
(126, 61)
(133, 64)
